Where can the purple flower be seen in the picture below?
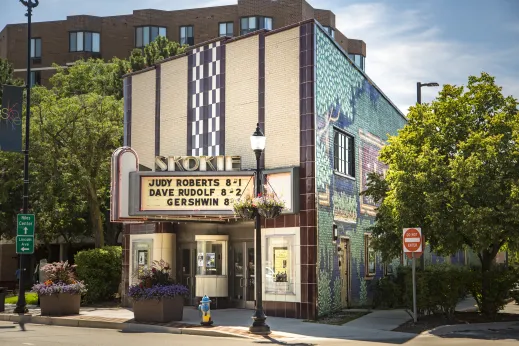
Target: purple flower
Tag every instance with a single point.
(157, 292)
(75, 288)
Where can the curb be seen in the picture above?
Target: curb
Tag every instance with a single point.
(124, 327)
(444, 330)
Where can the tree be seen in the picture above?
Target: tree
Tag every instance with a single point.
(80, 132)
(160, 49)
(453, 171)
(6, 76)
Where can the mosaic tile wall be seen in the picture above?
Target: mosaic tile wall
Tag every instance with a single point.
(346, 100)
(206, 100)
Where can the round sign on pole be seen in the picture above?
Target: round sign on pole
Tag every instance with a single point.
(412, 239)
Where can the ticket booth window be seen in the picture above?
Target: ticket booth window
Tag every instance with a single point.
(210, 258)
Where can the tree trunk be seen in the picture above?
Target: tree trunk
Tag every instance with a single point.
(486, 302)
(95, 216)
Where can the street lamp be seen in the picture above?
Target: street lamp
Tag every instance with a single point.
(419, 90)
(257, 143)
(21, 306)
(419, 86)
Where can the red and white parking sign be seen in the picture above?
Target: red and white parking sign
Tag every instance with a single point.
(413, 240)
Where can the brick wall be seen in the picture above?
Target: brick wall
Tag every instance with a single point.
(173, 108)
(282, 99)
(118, 32)
(241, 98)
(143, 117)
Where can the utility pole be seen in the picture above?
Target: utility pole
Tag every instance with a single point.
(21, 307)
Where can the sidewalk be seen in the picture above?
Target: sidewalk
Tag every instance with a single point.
(374, 326)
(228, 322)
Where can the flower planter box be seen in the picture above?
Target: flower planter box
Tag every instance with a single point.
(60, 304)
(162, 311)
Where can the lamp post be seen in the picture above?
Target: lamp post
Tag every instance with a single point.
(257, 142)
(20, 304)
(419, 86)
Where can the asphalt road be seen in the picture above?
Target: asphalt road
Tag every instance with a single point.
(38, 335)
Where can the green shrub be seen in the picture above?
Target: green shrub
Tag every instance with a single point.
(492, 288)
(100, 269)
(438, 289)
(387, 294)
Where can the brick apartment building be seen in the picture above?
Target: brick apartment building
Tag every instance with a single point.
(83, 36)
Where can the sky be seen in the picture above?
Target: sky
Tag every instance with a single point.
(408, 41)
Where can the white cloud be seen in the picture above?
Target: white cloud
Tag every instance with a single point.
(405, 47)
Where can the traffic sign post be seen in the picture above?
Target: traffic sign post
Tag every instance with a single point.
(26, 224)
(413, 248)
(25, 244)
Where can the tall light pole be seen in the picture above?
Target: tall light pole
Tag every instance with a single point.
(419, 86)
(21, 305)
(257, 142)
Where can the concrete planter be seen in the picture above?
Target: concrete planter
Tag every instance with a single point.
(162, 311)
(60, 304)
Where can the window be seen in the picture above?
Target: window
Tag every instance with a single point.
(36, 48)
(344, 153)
(370, 259)
(85, 41)
(279, 271)
(186, 35)
(226, 29)
(210, 257)
(250, 24)
(359, 60)
(35, 78)
(146, 34)
(330, 30)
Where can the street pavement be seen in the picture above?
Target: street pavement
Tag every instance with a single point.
(41, 335)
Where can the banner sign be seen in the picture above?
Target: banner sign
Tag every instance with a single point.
(11, 119)
(189, 193)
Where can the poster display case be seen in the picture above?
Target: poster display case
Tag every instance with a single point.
(211, 269)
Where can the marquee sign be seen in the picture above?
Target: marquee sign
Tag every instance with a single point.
(204, 195)
(189, 193)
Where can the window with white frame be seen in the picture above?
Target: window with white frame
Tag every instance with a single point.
(35, 48)
(226, 29)
(187, 35)
(250, 24)
(279, 271)
(84, 41)
(344, 153)
(146, 34)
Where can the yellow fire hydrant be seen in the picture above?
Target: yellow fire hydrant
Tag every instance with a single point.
(205, 311)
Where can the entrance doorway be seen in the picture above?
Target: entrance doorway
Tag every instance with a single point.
(243, 278)
(187, 271)
(344, 267)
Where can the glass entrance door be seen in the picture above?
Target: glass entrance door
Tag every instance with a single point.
(187, 271)
(243, 278)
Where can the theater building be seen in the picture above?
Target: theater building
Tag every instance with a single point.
(187, 157)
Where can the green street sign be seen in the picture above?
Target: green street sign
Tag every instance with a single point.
(25, 244)
(25, 225)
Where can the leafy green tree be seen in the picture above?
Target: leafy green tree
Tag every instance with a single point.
(453, 171)
(6, 76)
(160, 49)
(80, 132)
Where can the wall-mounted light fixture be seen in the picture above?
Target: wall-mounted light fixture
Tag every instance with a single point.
(335, 233)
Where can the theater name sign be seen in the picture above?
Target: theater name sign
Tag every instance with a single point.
(200, 185)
